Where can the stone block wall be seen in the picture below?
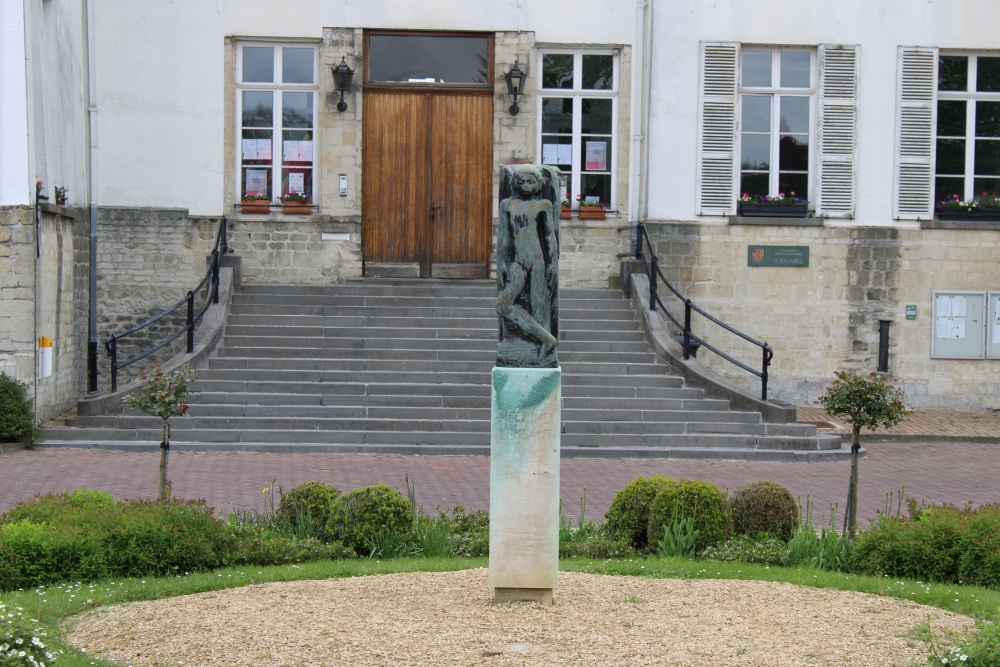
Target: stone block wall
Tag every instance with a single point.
(44, 291)
(825, 317)
(591, 251)
(300, 252)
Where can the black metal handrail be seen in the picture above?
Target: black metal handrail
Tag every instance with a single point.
(653, 273)
(211, 280)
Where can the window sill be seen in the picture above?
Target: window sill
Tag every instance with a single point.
(967, 223)
(781, 222)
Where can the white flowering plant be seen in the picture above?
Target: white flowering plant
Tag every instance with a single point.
(22, 641)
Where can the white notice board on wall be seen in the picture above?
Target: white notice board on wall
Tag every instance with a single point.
(993, 326)
(959, 325)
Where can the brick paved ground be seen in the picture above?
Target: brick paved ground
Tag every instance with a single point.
(956, 472)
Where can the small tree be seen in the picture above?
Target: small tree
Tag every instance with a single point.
(162, 395)
(866, 401)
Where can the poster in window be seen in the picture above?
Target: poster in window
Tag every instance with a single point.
(296, 182)
(550, 154)
(597, 156)
(256, 182)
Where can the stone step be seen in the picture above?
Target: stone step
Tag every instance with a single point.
(436, 340)
(423, 354)
(241, 380)
(573, 322)
(395, 302)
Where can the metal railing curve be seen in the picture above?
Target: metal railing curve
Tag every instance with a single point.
(690, 342)
(210, 281)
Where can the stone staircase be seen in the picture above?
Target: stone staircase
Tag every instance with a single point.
(404, 367)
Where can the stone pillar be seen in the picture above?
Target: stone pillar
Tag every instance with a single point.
(524, 483)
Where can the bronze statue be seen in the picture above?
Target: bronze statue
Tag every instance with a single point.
(528, 270)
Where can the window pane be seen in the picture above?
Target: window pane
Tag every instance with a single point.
(256, 147)
(987, 157)
(951, 118)
(988, 74)
(595, 154)
(794, 114)
(296, 110)
(950, 156)
(793, 152)
(596, 116)
(987, 187)
(795, 69)
(988, 119)
(558, 151)
(953, 72)
(255, 181)
(596, 185)
(296, 65)
(945, 189)
(557, 70)
(296, 180)
(793, 185)
(258, 64)
(258, 108)
(754, 185)
(557, 115)
(297, 147)
(755, 151)
(756, 69)
(756, 113)
(598, 72)
(428, 58)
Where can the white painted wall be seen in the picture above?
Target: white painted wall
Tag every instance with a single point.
(161, 74)
(878, 27)
(15, 177)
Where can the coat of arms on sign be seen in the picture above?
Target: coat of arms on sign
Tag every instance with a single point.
(758, 254)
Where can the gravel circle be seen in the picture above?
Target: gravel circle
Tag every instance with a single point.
(449, 618)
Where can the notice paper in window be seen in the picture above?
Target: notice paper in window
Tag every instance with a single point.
(597, 156)
(948, 327)
(296, 183)
(550, 154)
(256, 182)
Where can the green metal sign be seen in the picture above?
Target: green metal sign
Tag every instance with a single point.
(911, 311)
(778, 255)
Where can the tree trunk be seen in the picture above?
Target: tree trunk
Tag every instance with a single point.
(161, 493)
(851, 513)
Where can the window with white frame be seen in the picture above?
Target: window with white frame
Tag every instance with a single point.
(776, 121)
(276, 95)
(967, 162)
(578, 108)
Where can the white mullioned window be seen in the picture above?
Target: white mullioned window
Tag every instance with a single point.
(967, 160)
(578, 112)
(777, 93)
(276, 96)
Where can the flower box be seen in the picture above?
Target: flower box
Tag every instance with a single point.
(978, 214)
(256, 206)
(592, 213)
(297, 207)
(762, 210)
(565, 213)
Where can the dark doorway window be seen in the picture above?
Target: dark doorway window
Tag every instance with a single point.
(429, 59)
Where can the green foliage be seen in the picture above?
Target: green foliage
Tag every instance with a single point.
(600, 544)
(72, 536)
(387, 543)
(432, 538)
(22, 640)
(691, 498)
(252, 544)
(311, 502)
(17, 415)
(470, 531)
(762, 549)
(865, 401)
(938, 543)
(678, 539)
(360, 514)
(161, 394)
(764, 507)
(627, 518)
(980, 648)
(824, 549)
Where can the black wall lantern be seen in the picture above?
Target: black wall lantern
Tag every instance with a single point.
(342, 75)
(515, 86)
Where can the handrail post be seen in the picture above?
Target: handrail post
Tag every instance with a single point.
(639, 231)
(687, 329)
(114, 364)
(763, 376)
(654, 270)
(215, 276)
(223, 237)
(190, 322)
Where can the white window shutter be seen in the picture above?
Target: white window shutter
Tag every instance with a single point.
(717, 128)
(916, 118)
(838, 120)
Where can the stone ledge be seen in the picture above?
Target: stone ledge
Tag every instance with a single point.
(988, 225)
(781, 222)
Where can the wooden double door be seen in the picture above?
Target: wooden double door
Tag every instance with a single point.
(427, 184)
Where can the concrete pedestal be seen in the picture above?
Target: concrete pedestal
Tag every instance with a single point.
(524, 483)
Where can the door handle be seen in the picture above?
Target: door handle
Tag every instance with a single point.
(434, 211)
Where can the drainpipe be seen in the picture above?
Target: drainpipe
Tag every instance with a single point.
(91, 178)
(639, 154)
